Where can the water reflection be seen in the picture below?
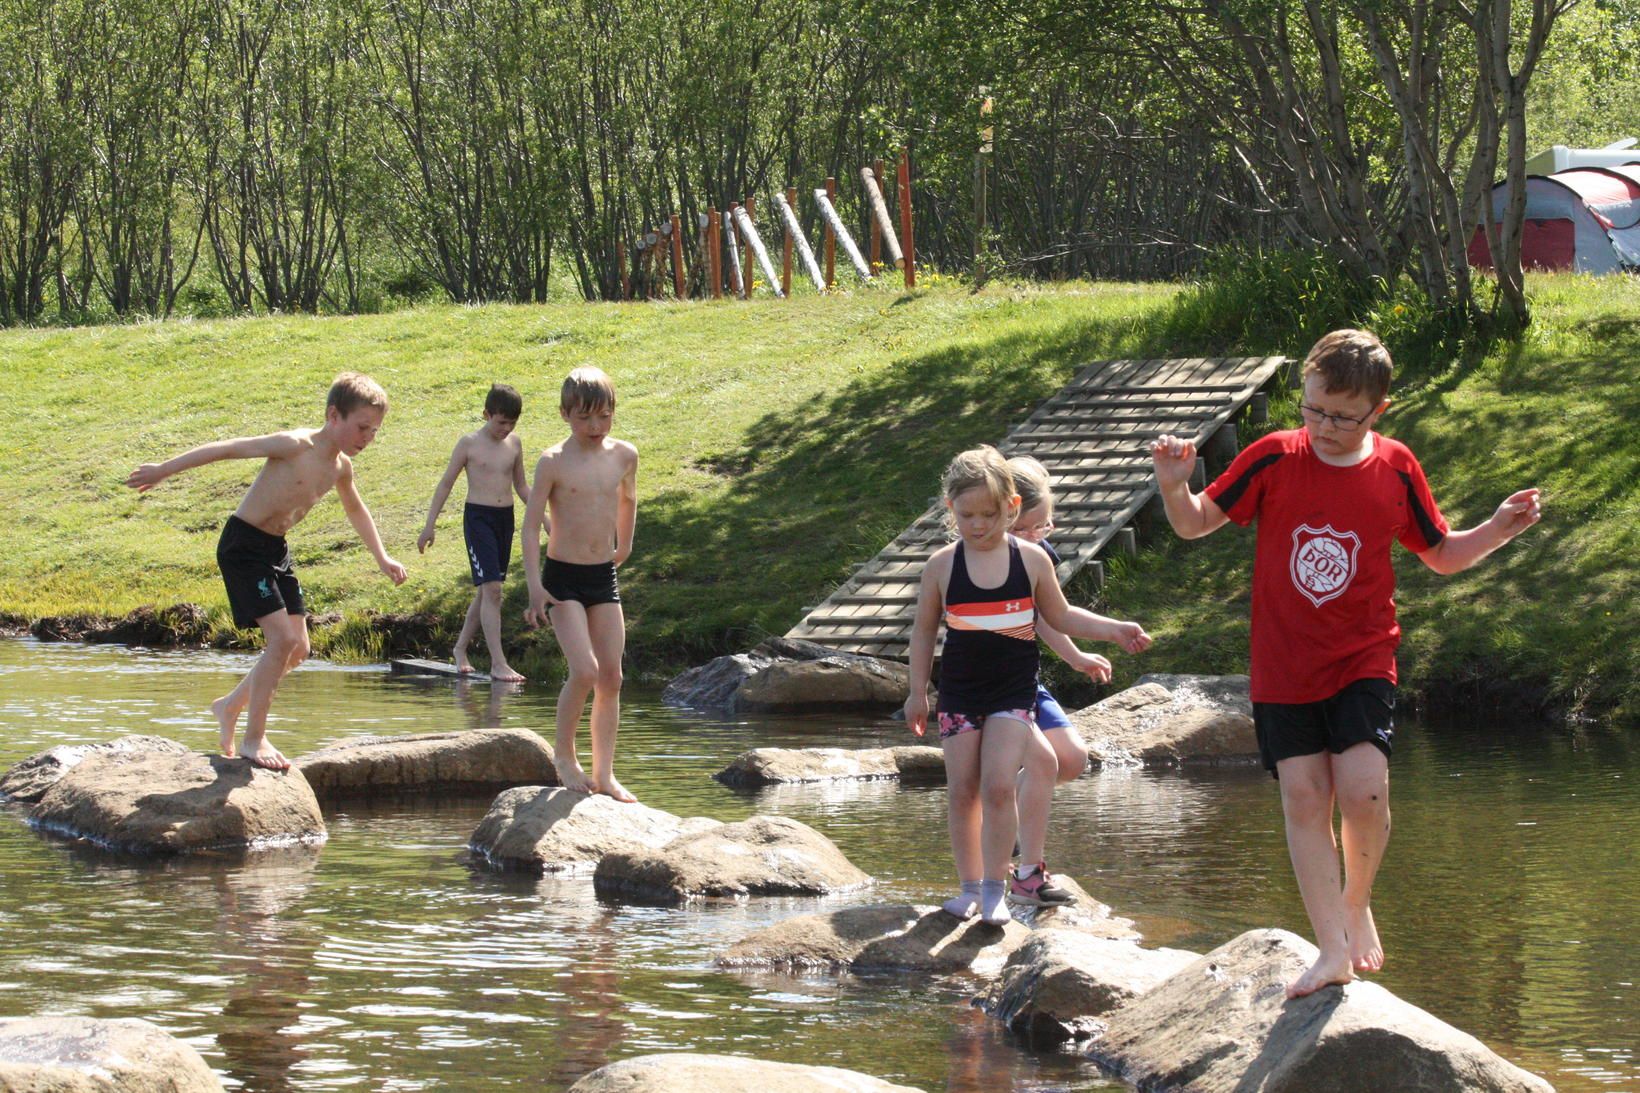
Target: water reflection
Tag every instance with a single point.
(393, 960)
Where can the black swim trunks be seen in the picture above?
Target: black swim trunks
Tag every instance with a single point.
(589, 585)
(1362, 713)
(489, 533)
(257, 570)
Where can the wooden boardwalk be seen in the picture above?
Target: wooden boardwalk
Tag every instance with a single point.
(1093, 436)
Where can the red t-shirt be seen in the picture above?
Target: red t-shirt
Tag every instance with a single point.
(1323, 586)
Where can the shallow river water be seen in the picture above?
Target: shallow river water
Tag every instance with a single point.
(389, 959)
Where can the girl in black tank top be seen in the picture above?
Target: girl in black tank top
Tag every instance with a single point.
(990, 660)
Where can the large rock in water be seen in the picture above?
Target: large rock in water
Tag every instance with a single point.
(29, 780)
(559, 830)
(478, 760)
(170, 804)
(774, 766)
(762, 856)
(86, 1055)
(1223, 1023)
(896, 937)
(1172, 720)
(1056, 984)
(782, 675)
(686, 1072)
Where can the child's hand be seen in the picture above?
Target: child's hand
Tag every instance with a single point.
(1519, 511)
(1131, 637)
(393, 569)
(145, 477)
(424, 540)
(535, 615)
(1094, 666)
(916, 713)
(1173, 459)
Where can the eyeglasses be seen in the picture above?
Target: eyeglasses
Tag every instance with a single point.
(1315, 416)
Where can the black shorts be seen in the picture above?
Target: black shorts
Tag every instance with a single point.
(489, 533)
(257, 570)
(1363, 712)
(589, 585)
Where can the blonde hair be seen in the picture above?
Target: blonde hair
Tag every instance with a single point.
(1032, 481)
(587, 388)
(982, 468)
(1351, 362)
(351, 390)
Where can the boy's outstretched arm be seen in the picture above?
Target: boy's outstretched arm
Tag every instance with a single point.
(359, 517)
(1192, 515)
(441, 493)
(535, 514)
(930, 605)
(271, 446)
(1462, 549)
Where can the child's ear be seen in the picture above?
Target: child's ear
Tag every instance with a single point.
(1382, 406)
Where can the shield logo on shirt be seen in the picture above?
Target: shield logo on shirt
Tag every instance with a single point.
(1323, 561)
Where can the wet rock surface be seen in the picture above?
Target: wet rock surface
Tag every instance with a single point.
(477, 760)
(688, 1072)
(554, 830)
(1169, 720)
(776, 766)
(879, 937)
(29, 779)
(760, 856)
(86, 1055)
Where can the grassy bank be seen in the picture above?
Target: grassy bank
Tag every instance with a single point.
(784, 442)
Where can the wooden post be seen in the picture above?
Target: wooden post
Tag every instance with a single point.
(794, 231)
(735, 282)
(876, 254)
(652, 241)
(831, 237)
(879, 215)
(750, 205)
(677, 256)
(754, 246)
(786, 255)
(626, 276)
(714, 245)
(835, 224)
(905, 218)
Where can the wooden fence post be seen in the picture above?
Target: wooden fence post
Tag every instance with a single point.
(980, 160)
(626, 275)
(831, 236)
(879, 213)
(714, 243)
(843, 237)
(786, 255)
(677, 256)
(794, 230)
(905, 218)
(876, 254)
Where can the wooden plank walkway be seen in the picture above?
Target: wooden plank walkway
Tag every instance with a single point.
(1093, 437)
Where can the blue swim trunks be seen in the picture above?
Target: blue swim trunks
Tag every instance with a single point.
(1049, 713)
(489, 533)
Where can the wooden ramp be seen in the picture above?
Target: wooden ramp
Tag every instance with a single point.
(412, 666)
(1093, 436)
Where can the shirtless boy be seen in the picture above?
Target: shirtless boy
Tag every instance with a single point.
(587, 484)
(302, 466)
(1330, 500)
(493, 458)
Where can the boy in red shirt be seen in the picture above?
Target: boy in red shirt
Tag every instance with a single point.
(1329, 499)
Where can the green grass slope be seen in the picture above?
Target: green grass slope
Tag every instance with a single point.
(783, 442)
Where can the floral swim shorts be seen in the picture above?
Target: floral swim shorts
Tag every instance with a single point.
(955, 724)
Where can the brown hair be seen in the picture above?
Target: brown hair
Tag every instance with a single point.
(505, 400)
(587, 389)
(981, 467)
(351, 390)
(1353, 362)
(1032, 481)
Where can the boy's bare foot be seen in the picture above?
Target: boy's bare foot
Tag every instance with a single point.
(609, 787)
(463, 667)
(504, 674)
(1326, 971)
(264, 755)
(227, 721)
(1366, 951)
(575, 779)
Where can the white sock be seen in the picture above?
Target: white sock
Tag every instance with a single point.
(1023, 871)
(965, 903)
(993, 904)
